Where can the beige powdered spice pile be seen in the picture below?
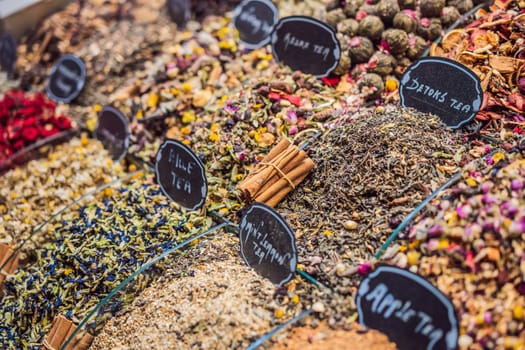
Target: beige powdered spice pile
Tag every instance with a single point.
(209, 300)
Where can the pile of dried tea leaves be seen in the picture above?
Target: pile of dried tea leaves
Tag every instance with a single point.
(373, 169)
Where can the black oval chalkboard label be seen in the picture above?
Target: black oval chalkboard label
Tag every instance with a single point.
(268, 244)
(179, 11)
(181, 175)
(255, 19)
(67, 79)
(408, 309)
(306, 44)
(443, 87)
(113, 131)
(8, 53)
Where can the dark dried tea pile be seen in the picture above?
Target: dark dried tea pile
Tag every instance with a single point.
(470, 243)
(94, 249)
(208, 299)
(373, 168)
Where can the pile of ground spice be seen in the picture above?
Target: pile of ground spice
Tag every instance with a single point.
(207, 299)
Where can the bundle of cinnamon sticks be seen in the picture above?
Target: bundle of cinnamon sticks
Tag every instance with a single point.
(61, 330)
(276, 175)
(11, 266)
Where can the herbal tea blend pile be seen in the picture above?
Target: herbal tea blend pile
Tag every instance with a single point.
(470, 243)
(207, 299)
(493, 47)
(94, 249)
(31, 193)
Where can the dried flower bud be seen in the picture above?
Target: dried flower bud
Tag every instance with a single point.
(406, 21)
(387, 9)
(407, 4)
(348, 26)
(381, 63)
(335, 16)
(429, 29)
(368, 9)
(402, 65)
(371, 85)
(397, 40)
(449, 15)
(462, 5)
(432, 8)
(344, 65)
(371, 27)
(360, 49)
(417, 45)
(351, 7)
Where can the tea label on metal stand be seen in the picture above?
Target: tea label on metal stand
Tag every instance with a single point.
(306, 44)
(408, 309)
(113, 131)
(268, 244)
(8, 53)
(255, 19)
(181, 175)
(443, 87)
(179, 11)
(67, 79)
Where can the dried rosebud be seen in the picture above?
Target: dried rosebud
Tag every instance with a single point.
(449, 15)
(462, 5)
(344, 65)
(431, 8)
(417, 45)
(429, 29)
(371, 27)
(348, 26)
(360, 49)
(335, 16)
(371, 85)
(387, 9)
(381, 63)
(407, 4)
(397, 40)
(406, 20)
(351, 7)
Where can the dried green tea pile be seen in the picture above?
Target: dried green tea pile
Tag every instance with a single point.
(94, 249)
(30, 194)
(208, 299)
(373, 168)
(470, 243)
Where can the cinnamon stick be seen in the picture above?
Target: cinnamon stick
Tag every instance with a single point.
(61, 330)
(250, 186)
(274, 152)
(5, 253)
(273, 195)
(286, 169)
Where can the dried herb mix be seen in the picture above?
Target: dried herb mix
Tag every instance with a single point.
(31, 193)
(470, 244)
(94, 248)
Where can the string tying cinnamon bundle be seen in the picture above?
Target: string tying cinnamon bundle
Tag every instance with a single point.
(61, 330)
(277, 174)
